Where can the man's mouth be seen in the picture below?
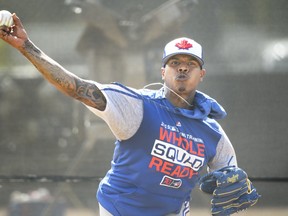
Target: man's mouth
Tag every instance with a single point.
(182, 77)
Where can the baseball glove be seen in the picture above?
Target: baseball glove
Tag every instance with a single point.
(231, 189)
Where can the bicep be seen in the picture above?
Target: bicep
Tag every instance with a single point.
(225, 154)
(123, 114)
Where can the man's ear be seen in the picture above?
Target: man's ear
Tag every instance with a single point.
(202, 74)
(162, 72)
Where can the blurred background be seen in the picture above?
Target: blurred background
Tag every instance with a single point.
(53, 152)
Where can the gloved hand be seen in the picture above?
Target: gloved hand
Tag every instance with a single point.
(231, 189)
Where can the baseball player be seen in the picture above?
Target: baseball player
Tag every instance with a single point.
(164, 137)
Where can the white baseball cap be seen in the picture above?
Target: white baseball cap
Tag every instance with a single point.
(183, 46)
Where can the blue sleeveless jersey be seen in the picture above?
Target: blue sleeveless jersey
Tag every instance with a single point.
(154, 171)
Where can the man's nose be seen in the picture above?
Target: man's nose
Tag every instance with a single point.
(183, 67)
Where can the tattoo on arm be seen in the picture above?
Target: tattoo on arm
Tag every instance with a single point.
(90, 94)
(68, 83)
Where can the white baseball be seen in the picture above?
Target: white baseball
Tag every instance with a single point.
(6, 18)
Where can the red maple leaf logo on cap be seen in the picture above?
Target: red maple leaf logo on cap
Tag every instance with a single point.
(184, 44)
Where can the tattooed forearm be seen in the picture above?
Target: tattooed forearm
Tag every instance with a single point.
(50, 69)
(30, 46)
(63, 80)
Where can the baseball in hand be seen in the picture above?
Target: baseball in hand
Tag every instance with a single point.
(6, 18)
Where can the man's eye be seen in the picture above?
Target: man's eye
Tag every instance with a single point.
(174, 63)
(190, 63)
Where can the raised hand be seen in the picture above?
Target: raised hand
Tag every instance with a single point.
(15, 35)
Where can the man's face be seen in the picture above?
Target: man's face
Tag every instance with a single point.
(182, 73)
